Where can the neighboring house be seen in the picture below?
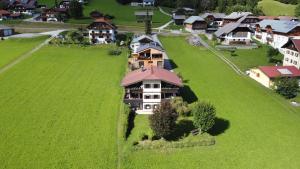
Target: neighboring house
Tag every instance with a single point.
(147, 55)
(54, 15)
(26, 7)
(102, 31)
(6, 31)
(178, 19)
(64, 4)
(235, 34)
(213, 19)
(266, 75)
(291, 53)
(147, 88)
(148, 2)
(276, 32)
(183, 11)
(195, 23)
(4, 14)
(234, 17)
(139, 41)
(141, 15)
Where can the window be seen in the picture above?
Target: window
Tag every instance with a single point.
(288, 52)
(295, 62)
(291, 61)
(150, 62)
(147, 86)
(286, 59)
(292, 53)
(257, 74)
(296, 54)
(156, 96)
(147, 106)
(155, 106)
(156, 86)
(147, 97)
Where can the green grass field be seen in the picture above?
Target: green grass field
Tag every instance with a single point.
(263, 129)
(59, 109)
(13, 48)
(124, 14)
(275, 8)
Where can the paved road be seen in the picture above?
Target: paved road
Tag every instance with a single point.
(28, 54)
(164, 12)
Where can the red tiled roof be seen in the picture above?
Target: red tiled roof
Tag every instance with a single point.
(296, 42)
(274, 71)
(152, 73)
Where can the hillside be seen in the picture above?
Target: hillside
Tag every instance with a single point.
(275, 8)
(124, 14)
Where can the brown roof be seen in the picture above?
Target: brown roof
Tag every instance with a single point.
(4, 12)
(101, 23)
(152, 73)
(296, 43)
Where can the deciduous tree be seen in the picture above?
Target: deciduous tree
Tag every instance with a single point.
(204, 115)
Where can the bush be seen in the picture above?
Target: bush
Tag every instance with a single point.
(114, 52)
(163, 120)
(204, 115)
(75, 9)
(287, 87)
(181, 107)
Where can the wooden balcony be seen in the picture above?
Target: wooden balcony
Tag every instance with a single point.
(170, 90)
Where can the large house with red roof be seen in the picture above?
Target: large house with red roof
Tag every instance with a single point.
(102, 31)
(147, 88)
(291, 53)
(266, 75)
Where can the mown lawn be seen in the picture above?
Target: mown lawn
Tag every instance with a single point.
(124, 14)
(59, 109)
(276, 8)
(256, 128)
(246, 59)
(11, 49)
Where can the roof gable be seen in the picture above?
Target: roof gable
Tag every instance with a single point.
(280, 71)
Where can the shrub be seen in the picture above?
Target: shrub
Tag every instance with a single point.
(163, 120)
(114, 52)
(181, 107)
(204, 115)
(287, 87)
(96, 14)
(271, 52)
(75, 9)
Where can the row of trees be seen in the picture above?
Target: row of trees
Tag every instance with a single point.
(163, 120)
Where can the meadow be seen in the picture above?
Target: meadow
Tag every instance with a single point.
(11, 49)
(276, 8)
(124, 14)
(59, 109)
(256, 128)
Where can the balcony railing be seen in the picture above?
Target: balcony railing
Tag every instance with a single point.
(169, 90)
(134, 90)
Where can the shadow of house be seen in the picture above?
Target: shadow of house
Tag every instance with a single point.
(188, 95)
(183, 128)
(130, 123)
(221, 125)
(169, 64)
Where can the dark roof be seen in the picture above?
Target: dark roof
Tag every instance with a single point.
(101, 23)
(296, 43)
(179, 17)
(280, 71)
(149, 46)
(152, 73)
(279, 25)
(4, 27)
(230, 27)
(215, 15)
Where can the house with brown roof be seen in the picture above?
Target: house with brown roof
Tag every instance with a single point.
(292, 53)
(147, 55)
(147, 88)
(102, 31)
(195, 23)
(26, 7)
(54, 15)
(266, 75)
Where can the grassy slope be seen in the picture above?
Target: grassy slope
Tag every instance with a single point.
(124, 15)
(275, 8)
(12, 48)
(264, 129)
(58, 109)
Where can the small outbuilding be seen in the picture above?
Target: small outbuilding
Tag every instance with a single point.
(195, 23)
(6, 31)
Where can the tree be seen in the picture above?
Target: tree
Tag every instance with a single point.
(297, 10)
(271, 52)
(287, 87)
(204, 115)
(96, 14)
(181, 107)
(148, 26)
(3, 5)
(163, 120)
(75, 9)
(221, 5)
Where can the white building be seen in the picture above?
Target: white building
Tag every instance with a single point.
(291, 53)
(101, 31)
(276, 32)
(146, 89)
(139, 41)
